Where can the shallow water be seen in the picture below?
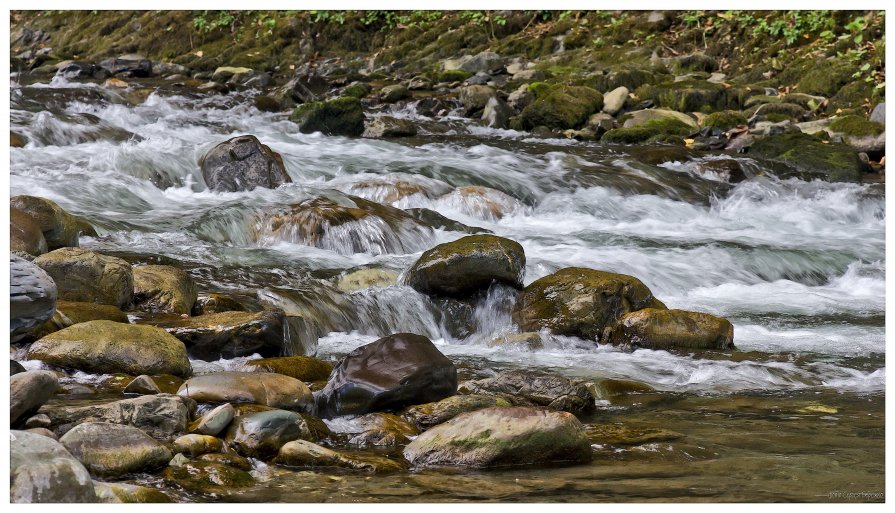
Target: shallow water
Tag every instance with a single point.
(797, 266)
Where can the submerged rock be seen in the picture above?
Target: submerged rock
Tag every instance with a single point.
(60, 228)
(28, 391)
(427, 415)
(142, 385)
(159, 415)
(388, 374)
(481, 202)
(665, 329)
(383, 430)
(261, 434)
(301, 453)
(243, 163)
(304, 368)
(42, 470)
(85, 275)
(266, 388)
(531, 388)
(466, 265)
(110, 450)
(580, 302)
(32, 297)
(341, 116)
(163, 288)
(207, 477)
(496, 437)
(124, 493)
(110, 347)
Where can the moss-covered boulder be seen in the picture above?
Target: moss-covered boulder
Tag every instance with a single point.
(861, 134)
(109, 347)
(304, 368)
(60, 229)
(580, 302)
(563, 107)
(668, 329)
(656, 130)
(394, 93)
(243, 163)
(466, 265)
(686, 95)
(265, 388)
(776, 112)
(696, 62)
(530, 388)
(84, 275)
(304, 454)
(261, 434)
(835, 162)
(497, 437)
(724, 120)
(826, 78)
(42, 470)
(424, 416)
(357, 90)
(207, 477)
(163, 288)
(124, 493)
(25, 235)
(340, 116)
(111, 450)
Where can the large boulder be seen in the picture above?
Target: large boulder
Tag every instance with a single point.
(562, 107)
(427, 415)
(161, 415)
(261, 434)
(580, 302)
(528, 388)
(32, 297)
(474, 98)
(266, 388)
(243, 163)
(84, 275)
(496, 437)
(42, 470)
(486, 62)
(301, 453)
(110, 347)
(835, 162)
(28, 391)
(110, 450)
(304, 368)
(25, 235)
(466, 265)
(340, 116)
(60, 228)
(665, 329)
(163, 288)
(131, 64)
(229, 334)
(388, 374)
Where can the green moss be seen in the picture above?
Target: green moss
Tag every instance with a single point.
(685, 96)
(775, 117)
(656, 130)
(539, 89)
(777, 111)
(835, 162)
(358, 90)
(341, 116)
(725, 120)
(562, 108)
(826, 78)
(857, 126)
(454, 75)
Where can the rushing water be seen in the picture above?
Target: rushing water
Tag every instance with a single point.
(797, 266)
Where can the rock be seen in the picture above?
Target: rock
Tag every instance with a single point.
(531, 388)
(301, 453)
(497, 113)
(366, 278)
(142, 385)
(607, 434)
(134, 65)
(266, 103)
(562, 107)
(697, 62)
(216, 303)
(467, 265)
(261, 434)
(497, 437)
(116, 83)
(69, 313)
(529, 75)
(15, 368)
(383, 430)
(455, 64)
(266, 388)
(474, 98)
(215, 421)
(163, 288)
(196, 444)
(387, 126)
(84, 275)
(435, 220)
(110, 347)
(480, 78)
(642, 117)
(394, 93)
(424, 416)
(243, 163)
(878, 114)
(689, 95)
(520, 98)
(610, 389)
(388, 374)
(341, 116)
(17, 140)
(111, 450)
(169, 68)
(124, 493)
(614, 100)
(725, 120)
(32, 297)
(28, 391)
(43, 432)
(861, 134)
(229, 334)
(229, 459)
(835, 162)
(42, 470)
(432, 107)
(207, 477)
(159, 415)
(580, 302)
(665, 329)
(357, 90)
(304, 368)
(488, 62)
(419, 84)
(39, 421)
(304, 87)
(530, 341)
(225, 73)
(24, 234)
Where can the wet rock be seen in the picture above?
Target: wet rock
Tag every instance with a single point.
(614, 389)
(229, 334)
(165, 69)
(387, 127)
(261, 434)
(42, 470)
(301, 453)
(562, 107)
(266, 103)
(431, 107)
(530, 341)
(84, 275)
(341, 116)
(32, 297)
(69, 313)
(304, 368)
(614, 100)
(835, 162)
(466, 265)
(474, 98)
(215, 421)
(38, 421)
(366, 278)
(383, 430)
(163, 288)
(124, 493)
(25, 235)
(643, 117)
(207, 477)
(243, 163)
(15, 368)
(17, 140)
(496, 113)
(216, 303)
(266, 388)
(229, 459)
(225, 73)
(689, 95)
(697, 62)
(388, 374)
(436, 220)
(142, 385)
(195, 444)
(580, 302)
(665, 329)
(110, 450)
(394, 93)
(109, 347)
(608, 434)
(520, 98)
(496, 437)
(133, 65)
(159, 415)
(28, 391)
(534, 389)
(488, 62)
(427, 415)
(303, 88)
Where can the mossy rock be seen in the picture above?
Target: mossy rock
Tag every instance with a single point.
(454, 75)
(112, 450)
(341, 116)
(60, 229)
(85, 275)
(539, 89)
(124, 493)
(562, 108)
(834, 162)
(696, 62)
(853, 95)
(666, 329)
(725, 120)
(826, 78)
(656, 130)
(686, 96)
(856, 126)
(25, 236)
(164, 288)
(303, 368)
(207, 477)
(357, 90)
(427, 415)
(630, 78)
(778, 111)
